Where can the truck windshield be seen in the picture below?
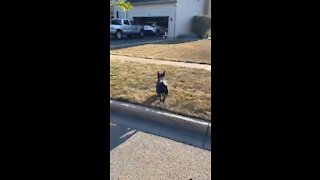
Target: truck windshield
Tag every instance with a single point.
(149, 23)
(116, 22)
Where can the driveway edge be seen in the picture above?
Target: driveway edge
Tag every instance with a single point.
(137, 44)
(191, 124)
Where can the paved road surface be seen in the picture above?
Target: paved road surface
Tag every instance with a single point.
(141, 149)
(127, 41)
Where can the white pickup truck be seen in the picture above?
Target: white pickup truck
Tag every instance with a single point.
(120, 27)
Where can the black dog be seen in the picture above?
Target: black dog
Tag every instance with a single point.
(162, 86)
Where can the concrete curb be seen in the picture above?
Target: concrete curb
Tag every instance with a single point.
(190, 124)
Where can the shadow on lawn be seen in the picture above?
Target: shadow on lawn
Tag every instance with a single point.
(176, 41)
(168, 41)
(151, 100)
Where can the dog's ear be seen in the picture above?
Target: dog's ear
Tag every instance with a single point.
(158, 74)
(164, 73)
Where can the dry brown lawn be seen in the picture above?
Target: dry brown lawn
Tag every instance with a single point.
(195, 51)
(189, 89)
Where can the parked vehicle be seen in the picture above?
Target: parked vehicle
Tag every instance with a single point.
(120, 27)
(154, 28)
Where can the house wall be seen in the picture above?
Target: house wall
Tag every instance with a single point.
(186, 9)
(209, 7)
(111, 12)
(151, 10)
(180, 12)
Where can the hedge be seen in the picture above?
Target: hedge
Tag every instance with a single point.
(201, 25)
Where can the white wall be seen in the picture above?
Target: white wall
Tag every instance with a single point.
(209, 7)
(186, 9)
(155, 10)
(181, 13)
(111, 11)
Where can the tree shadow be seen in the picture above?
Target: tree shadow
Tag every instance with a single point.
(119, 134)
(124, 126)
(166, 41)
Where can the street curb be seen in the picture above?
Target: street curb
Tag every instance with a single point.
(187, 123)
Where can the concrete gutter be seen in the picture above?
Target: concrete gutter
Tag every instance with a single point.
(187, 123)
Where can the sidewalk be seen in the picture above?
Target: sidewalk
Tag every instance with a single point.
(162, 62)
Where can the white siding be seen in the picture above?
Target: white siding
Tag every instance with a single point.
(111, 12)
(186, 9)
(181, 13)
(121, 14)
(209, 7)
(155, 10)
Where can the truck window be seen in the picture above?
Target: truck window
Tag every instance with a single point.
(126, 22)
(149, 23)
(115, 22)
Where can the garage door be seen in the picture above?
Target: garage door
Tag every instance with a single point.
(162, 22)
(160, 12)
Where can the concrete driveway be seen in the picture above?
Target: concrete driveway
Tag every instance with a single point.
(133, 41)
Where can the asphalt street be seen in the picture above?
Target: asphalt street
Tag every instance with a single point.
(141, 149)
(123, 126)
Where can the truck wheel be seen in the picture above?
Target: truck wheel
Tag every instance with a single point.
(118, 34)
(141, 34)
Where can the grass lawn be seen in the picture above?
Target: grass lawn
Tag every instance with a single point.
(194, 51)
(189, 89)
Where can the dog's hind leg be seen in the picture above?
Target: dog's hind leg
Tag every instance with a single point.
(164, 98)
(159, 95)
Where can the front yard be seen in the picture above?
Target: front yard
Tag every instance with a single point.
(176, 50)
(189, 89)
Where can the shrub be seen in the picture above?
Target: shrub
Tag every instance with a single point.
(201, 25)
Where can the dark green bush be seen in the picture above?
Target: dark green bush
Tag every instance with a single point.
(201, 25)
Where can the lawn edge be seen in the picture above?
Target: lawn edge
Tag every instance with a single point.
(164, 117)
(162, 59)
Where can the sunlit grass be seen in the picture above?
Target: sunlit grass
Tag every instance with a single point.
(194, 51)
(189, 89)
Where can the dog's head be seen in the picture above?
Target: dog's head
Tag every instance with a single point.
(161, 76)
